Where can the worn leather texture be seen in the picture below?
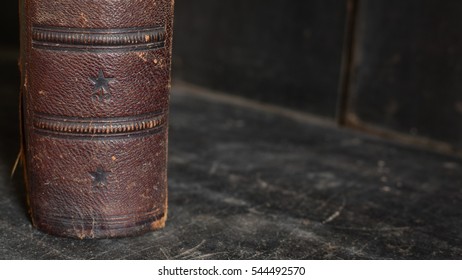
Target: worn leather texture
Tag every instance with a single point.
(95, 95)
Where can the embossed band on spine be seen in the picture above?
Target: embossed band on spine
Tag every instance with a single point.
(75, 39)
(101, 127)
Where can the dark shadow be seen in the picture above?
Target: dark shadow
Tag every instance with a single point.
(12, 187)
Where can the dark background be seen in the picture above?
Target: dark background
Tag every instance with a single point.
(270, 151)
(390, 68)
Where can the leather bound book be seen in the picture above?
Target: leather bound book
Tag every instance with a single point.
(94, 114)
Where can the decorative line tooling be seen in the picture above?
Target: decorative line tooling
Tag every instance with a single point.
(114, 222)
(98, 40)
(101, 127)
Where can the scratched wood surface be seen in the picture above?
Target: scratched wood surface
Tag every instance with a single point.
(252, 183)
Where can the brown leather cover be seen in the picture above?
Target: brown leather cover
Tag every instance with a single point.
(95, 94)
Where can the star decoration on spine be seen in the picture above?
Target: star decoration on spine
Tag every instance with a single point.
(99, 177)
(101, 89)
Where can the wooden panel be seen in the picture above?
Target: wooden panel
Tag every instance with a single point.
(282, 52)
(408, 69)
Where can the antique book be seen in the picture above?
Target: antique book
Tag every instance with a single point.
(94, 114)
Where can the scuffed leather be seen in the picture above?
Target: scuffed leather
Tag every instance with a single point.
(95, 185)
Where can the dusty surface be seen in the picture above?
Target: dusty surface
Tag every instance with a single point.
(255, 185)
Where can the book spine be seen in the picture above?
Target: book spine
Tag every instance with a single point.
(95, 95)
